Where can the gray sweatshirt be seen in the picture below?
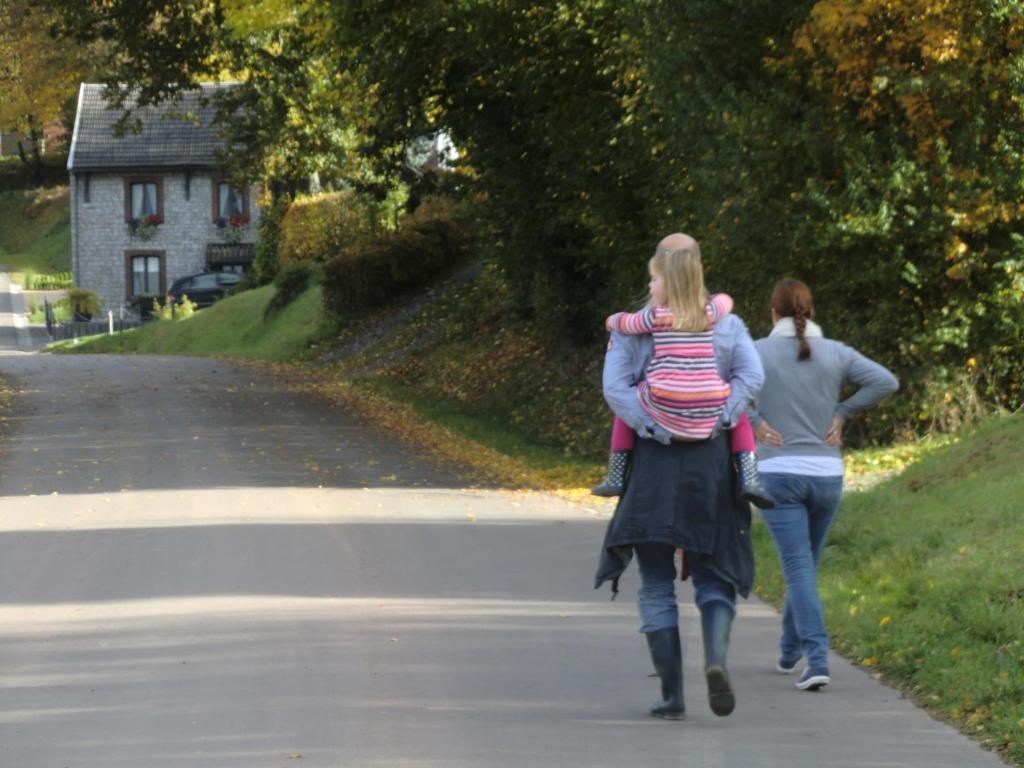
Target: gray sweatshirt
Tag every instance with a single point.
(800, 397)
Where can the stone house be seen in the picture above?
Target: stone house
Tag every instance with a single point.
(150, 207)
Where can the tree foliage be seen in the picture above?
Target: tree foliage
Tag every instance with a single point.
(870, 147)
(38, 73)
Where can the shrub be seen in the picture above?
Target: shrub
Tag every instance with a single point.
(367, 274)
(83, 303)
(289, 285)
(144, 304)
(47, 282)
(171, 311)
(316, 229)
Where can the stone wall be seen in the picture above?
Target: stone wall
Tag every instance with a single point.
(101, 238)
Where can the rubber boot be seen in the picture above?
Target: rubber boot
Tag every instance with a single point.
(667, 655)
(716, 621)
(615, 479)
(750, 486)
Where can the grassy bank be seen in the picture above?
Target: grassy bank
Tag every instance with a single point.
(922, 583)
(234, 327)
(35, 230)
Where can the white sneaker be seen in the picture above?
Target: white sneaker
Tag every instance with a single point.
(786, 668)
(813, 679)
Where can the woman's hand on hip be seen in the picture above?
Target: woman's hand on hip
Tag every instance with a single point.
(765, 434)
(834, 436)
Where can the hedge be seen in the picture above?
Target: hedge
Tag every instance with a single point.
(368, 273)
(318, 228)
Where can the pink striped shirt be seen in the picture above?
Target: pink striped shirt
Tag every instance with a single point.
(682, 390)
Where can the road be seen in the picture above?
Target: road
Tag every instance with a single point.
(14, 329)
(198, 568)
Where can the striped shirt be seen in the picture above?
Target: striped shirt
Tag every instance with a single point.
(682, 390)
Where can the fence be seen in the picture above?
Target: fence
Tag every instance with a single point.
(60, 331)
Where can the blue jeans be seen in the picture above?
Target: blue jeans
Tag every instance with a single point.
(805, 507)
(656, 597)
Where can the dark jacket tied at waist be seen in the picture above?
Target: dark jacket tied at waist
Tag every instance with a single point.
(682, 494)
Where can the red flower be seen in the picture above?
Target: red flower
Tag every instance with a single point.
(154, 219)
(238, 220)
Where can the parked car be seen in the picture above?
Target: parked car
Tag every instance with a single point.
(203, 289)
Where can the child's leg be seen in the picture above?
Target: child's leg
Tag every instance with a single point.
(623, 440)
(742, 435)
(744, 449)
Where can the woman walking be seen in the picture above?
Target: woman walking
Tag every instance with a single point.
(681, 494)
(798, 420)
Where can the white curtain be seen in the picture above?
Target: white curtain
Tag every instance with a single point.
(143, 200)
(230, 200)
(145, 275)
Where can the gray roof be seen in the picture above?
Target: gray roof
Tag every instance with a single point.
(167, 140)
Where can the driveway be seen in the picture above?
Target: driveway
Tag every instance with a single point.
(200, 569)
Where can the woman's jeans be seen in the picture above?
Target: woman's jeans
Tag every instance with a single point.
(805, 507)
(657, 595)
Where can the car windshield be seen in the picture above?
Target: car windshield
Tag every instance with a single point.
(229, 278)
(204, 283)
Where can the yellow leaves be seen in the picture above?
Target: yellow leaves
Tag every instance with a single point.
(250, 17)
(870, 661)
(868, 54)
(886, 621)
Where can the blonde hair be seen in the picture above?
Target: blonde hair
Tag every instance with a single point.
(683, 275)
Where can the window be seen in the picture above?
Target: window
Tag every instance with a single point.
(144, 274)
(230, 278)
(204, 283)
(229, 201)
(143, 197)
(180, 286)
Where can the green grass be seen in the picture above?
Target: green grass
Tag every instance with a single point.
(234, 327)
(923, 581)
(545, 466)
(35, 230)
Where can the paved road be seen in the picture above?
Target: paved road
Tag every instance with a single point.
(197, 569)
(15, 332)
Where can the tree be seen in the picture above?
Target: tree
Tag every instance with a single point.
(38, 73)
(295, 113)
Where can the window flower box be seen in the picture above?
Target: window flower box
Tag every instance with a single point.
(233, 227)
(145, 227)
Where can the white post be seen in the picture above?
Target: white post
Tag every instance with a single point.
(110, 322)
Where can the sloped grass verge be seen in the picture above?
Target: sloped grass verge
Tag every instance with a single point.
(35, 230)
(233, 327)
(923, 583)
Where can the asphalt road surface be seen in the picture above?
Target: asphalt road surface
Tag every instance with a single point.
(200, 569)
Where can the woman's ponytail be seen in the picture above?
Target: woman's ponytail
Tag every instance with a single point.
(792, 298)
(800, 321)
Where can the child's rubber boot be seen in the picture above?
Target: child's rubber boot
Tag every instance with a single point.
(750, 486)
(615, 479)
